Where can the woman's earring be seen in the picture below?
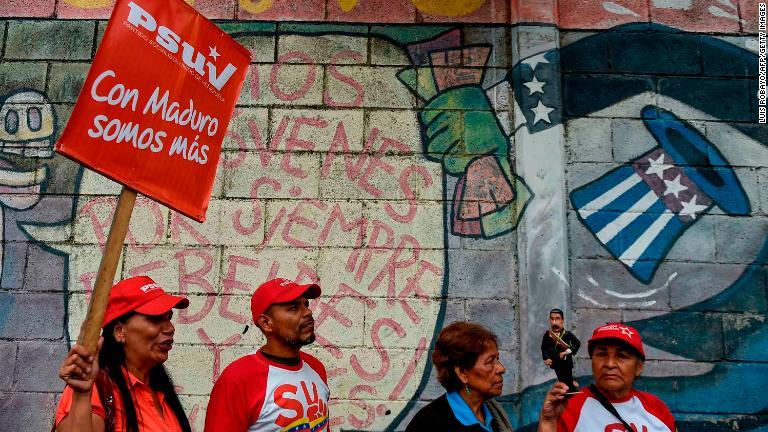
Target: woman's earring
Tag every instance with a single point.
(466, 388)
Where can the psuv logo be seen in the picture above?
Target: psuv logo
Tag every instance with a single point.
(149, 287)
(170, 41)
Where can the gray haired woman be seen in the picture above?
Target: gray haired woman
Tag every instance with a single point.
(466, 357)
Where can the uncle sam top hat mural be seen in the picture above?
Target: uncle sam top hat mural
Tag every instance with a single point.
(638, 211)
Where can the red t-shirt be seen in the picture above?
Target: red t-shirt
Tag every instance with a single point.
(644, 411)
(148, 418)
(255, 394)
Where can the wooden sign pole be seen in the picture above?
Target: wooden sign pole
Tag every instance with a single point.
(89, 331)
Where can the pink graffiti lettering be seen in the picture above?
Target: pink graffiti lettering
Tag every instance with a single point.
(230, 284)
(292, 143)
(370, 412)
(410, 370)
(383, 354)
(308, 81)
(179, 223)
(409, 194)
(216, 349)
(346, 79)
(195, 278)
(340, 145)
(294, 218)
(329, 309)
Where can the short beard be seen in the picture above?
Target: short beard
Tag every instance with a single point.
(298, 343)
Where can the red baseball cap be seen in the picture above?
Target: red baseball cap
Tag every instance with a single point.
(140, 294)
(618, 331)
(280, 291)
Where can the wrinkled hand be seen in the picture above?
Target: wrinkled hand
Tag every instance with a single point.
(554, 403)
(548, 362)
(80, 368)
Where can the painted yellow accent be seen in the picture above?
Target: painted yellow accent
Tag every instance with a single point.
(257, 6)
(89, 4)
(347, 5)
(449, 8)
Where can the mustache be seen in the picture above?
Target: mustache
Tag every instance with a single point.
(309, 322)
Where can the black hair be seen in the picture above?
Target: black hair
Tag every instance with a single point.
(112, 360)
(557, 311)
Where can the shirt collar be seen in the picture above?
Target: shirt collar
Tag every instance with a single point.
(464, 413)
(130, 378)
(134, 383)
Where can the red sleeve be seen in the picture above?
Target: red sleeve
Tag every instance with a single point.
(237, 396)
(65, 403)
(658, 408)
(570, 416)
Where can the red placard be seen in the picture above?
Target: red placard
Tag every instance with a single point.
(157, 101)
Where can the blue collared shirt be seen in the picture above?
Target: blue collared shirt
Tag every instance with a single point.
(464, 413)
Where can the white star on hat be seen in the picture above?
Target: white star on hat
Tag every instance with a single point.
(533, 61)
(690, 208)
(535, 86)
(674, 187)
(657, 166)
(627, 331)
(541, 112)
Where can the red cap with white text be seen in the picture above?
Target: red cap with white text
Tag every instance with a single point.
(280, 291)
(618, 331)
(140, 294)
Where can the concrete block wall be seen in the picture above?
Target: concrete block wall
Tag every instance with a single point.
(329, 173)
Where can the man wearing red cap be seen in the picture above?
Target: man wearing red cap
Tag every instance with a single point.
(611, 404)
(278, 388)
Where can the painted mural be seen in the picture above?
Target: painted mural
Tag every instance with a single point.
(487, 167)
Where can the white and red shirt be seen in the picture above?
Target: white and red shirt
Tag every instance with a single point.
(256, 394)
(643, 411)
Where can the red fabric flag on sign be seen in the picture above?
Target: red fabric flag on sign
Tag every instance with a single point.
(157, 101)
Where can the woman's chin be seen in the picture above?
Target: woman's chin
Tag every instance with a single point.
(160, 357)
(496, 390)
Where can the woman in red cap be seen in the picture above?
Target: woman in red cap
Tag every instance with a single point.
(133, 392)
(612, 404)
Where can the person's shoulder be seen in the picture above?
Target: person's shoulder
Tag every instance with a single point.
(652, 403)
(651, 400)
(431, 415)
(246, 368)
(656, 407)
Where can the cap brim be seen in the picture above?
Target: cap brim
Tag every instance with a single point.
(309, 291)
(591, 344)
(163, 304)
